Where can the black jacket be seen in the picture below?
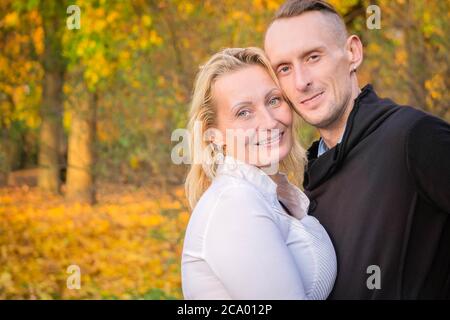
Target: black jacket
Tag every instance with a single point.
(383, 195)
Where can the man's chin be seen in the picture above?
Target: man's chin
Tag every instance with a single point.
(315, 121)
(318, 119)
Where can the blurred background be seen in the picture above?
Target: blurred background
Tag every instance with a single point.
(86, 116)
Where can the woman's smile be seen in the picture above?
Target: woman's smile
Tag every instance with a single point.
(275, 138)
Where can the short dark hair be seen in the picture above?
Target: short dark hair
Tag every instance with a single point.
(294, 8)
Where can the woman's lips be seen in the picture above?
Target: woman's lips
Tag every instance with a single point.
(270, 140)
(313, 98)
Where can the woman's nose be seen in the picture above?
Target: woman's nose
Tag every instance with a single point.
(267, 119)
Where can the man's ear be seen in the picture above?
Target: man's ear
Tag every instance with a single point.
(354, 49)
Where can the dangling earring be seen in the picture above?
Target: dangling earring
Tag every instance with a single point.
(218, 153)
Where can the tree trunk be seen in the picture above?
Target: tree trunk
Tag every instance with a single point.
(50, 133)
(81, 156)
(52, 13)
(9, 150)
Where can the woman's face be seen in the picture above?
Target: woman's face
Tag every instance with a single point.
(253, 119)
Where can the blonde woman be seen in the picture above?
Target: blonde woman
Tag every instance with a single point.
(249, 235)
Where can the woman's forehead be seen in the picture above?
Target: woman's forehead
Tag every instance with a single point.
(249, 83)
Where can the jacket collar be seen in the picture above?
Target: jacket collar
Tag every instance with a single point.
(368, 113)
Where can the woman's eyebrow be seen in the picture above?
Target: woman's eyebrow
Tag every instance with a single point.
(241, 103)
(237, 105)
(270, 92)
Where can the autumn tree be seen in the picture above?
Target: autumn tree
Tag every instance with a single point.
(21, 45)
(54, 65)
(100, 55)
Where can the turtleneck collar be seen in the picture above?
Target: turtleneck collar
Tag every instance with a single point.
(256, 176)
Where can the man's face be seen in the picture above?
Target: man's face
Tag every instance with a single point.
(313, 66)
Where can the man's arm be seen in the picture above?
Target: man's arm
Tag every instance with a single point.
(428, 159)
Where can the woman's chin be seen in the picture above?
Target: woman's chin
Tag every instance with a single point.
(271, 157)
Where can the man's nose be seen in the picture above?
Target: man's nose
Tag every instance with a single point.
(302, 79)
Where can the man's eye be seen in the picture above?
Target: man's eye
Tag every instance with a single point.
(274, 101)
(314, 57)
(283, 69)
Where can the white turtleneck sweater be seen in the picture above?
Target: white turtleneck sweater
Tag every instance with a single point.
(241, 244)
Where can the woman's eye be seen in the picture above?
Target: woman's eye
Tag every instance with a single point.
(243, 113)
(274, 101)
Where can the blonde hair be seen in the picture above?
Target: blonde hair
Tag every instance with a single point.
(202, 155)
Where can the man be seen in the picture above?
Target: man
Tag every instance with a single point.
(379, 177)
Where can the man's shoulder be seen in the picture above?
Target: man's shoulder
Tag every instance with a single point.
(428, 130)
(415, 119)
(407, 114)
(415, 127)
(407, 119)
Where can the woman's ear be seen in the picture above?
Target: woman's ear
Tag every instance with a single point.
(355, 52)
(214, 136)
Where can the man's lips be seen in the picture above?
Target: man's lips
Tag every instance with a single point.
(312, 98)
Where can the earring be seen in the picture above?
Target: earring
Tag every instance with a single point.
(218, 153)
(220, 149)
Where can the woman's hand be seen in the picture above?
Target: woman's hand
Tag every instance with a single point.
(291, 196)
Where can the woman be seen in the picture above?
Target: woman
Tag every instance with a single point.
(249, 235)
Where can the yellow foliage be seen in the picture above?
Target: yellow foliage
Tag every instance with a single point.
(155, 38)
(401, 57)
(186, 7)
(100, 25)
(241, 16)
(134, 162)
(146, 20)
(38, 39)
(437, 90)
(273, 5)
(126, 246)
(11, 19)
(112, 16)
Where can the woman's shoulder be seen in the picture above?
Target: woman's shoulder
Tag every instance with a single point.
(229, 191)
(227, 199)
